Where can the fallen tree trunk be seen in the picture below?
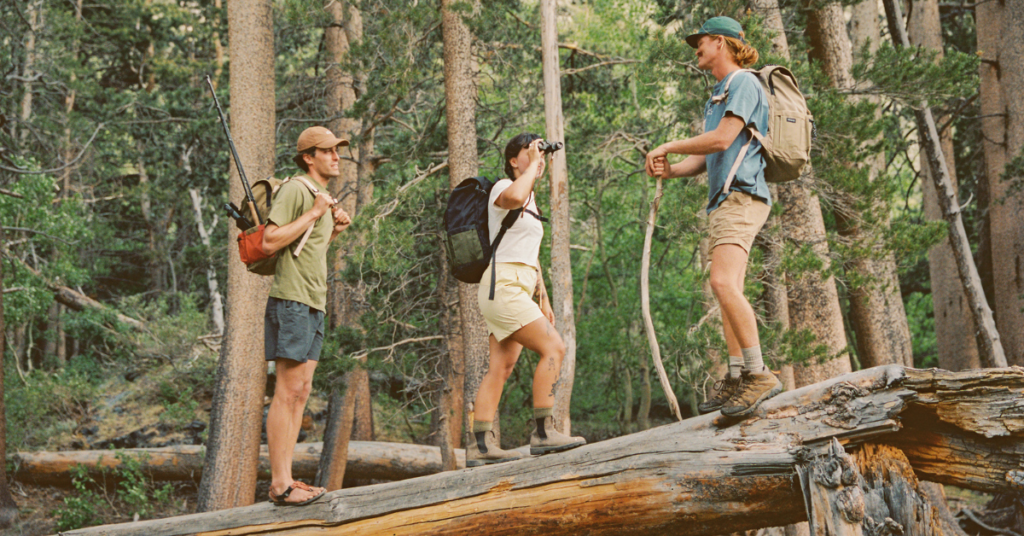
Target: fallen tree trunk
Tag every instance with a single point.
(369, 460)
(701, 476)
(76, 300)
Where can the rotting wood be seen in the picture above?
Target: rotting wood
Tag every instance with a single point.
(366, 460)
(690, 476)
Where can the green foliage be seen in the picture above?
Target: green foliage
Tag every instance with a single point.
(136, 493)
(82, 508)
(45, 405)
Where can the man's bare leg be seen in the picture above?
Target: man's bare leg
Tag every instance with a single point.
(291, 390)
(728, 270)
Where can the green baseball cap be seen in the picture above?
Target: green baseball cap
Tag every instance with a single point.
(717, 26)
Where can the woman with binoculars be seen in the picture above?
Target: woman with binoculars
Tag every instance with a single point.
(513, 319)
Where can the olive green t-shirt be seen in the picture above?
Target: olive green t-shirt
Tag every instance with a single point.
(302, 279)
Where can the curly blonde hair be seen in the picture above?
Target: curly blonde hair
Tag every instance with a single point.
(744, 54)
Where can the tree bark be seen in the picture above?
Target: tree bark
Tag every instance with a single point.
(988, 337)
(873, 490)
(216, 300)
(876, 307)
(229, 474)
(813, 300)
(558, 175)
(1002, 112)
(183, 463)
(447, 421)
(330, 472)
(690, 477)
(471, 353)
(33, 14)
(954, 323)
(8, 508)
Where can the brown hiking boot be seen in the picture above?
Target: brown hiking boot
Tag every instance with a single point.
(484, 450)
(724, 389)
(757, 387)
(546, 439)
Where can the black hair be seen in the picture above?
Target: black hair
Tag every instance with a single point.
(301, 162)
(513, 147)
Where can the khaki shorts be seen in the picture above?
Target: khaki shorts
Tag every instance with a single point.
(737, 220)
(512, 306)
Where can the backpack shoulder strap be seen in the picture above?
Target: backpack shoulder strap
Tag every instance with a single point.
(309, 185)
(725, 94)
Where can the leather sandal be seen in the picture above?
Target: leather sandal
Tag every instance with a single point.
(279, 500)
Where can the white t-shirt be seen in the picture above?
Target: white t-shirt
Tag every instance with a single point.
(521, 242)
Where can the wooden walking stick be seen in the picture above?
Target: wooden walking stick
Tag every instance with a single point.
(645, 303)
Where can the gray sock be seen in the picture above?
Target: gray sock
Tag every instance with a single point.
(735, 366)
(752, 361)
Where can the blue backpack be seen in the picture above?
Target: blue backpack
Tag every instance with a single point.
(467, 234)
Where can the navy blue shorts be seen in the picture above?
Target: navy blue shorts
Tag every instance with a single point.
(292, 330)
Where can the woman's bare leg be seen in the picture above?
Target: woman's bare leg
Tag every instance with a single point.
(503, 357)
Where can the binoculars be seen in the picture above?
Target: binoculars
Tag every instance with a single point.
(548, 147)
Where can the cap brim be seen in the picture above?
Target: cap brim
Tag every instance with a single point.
(694, 39)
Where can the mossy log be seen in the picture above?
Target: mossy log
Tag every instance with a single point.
(371, 460)
(701, 476)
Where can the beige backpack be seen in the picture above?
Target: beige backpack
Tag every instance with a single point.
(786, 146)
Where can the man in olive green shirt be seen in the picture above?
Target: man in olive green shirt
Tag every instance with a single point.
(294, 319)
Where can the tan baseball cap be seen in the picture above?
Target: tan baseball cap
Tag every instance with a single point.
(319, 137)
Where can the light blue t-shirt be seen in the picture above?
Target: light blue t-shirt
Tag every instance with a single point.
(748, 102)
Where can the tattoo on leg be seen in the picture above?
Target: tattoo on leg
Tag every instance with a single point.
(554, 386)
(551, 363)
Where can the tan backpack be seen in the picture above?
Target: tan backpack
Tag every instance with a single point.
(786, 146)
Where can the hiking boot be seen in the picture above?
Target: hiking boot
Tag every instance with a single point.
(545, 439)
(724, 389)
(757, 387)
(484, 450)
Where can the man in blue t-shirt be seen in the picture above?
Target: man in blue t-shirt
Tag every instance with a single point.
(738, 202)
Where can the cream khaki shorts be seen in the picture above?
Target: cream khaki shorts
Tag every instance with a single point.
(512, 306)
(737, 220)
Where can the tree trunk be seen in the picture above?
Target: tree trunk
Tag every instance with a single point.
(154, 228)
(183, 463)
(1002, 113)
(460, 114)
(558, 175)
(447, 420)
(813, 300)
(352, 413)
(33, 14)
(330, 472)
(229, 473)
(691, 477)
(954, 324)
(872, 491)
(8, 509)
(988, 337)
(876, 307)
(216, 300)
